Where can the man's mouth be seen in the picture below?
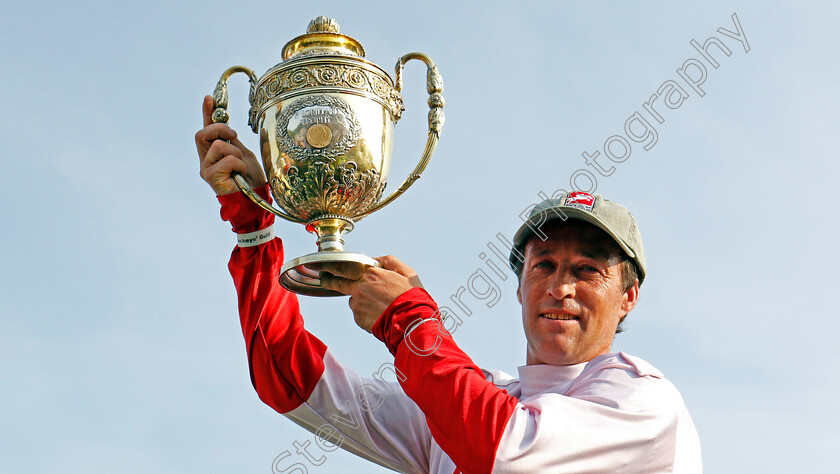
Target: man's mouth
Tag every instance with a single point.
(560, 317)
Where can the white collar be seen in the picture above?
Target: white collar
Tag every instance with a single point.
(536, 379)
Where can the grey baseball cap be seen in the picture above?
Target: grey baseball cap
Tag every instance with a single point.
(609, 216)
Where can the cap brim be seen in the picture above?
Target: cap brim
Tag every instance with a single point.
(527, 230)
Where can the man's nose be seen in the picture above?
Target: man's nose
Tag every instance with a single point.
(562, 285)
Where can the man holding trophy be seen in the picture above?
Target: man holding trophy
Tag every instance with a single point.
(575, 407)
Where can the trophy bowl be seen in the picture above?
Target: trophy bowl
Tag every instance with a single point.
(325, 117)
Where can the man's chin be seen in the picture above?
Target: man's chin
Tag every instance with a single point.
(553, 357)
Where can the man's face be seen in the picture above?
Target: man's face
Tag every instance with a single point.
(571, 294)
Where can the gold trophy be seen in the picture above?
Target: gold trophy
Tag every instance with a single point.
(326, 117)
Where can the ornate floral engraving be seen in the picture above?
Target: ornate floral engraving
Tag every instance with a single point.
(325, 188)
(328, 75)
(315, 75)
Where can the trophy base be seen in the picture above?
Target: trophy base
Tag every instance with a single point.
(295, 276)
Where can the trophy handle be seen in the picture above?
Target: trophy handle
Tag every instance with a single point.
(434, 86)
(220, 115)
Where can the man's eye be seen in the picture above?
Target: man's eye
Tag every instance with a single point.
(587, 268)
(544, 264)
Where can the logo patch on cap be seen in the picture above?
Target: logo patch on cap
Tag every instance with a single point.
(580, 200)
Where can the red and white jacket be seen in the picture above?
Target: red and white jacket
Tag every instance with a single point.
(615, 413)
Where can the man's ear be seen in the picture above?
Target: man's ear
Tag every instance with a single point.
(631, 297)
(519, 293)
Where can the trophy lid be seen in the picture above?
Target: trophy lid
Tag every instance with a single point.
(322, 37)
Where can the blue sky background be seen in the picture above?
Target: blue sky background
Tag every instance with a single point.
(120, 347)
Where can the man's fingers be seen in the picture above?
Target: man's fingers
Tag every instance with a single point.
(218, 175)
(346, 270)
(218, 150)
(205, 137)
(392, 263)
(224, 167)
(341, 285)
(220, 153)
(207, 110)
(235, 142)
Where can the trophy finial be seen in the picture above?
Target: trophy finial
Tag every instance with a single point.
(323, 24)
(322, 37)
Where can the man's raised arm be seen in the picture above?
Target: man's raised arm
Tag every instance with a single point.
(292, 370)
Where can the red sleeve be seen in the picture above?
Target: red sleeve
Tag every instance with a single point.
(285, 360)
(466, 414)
